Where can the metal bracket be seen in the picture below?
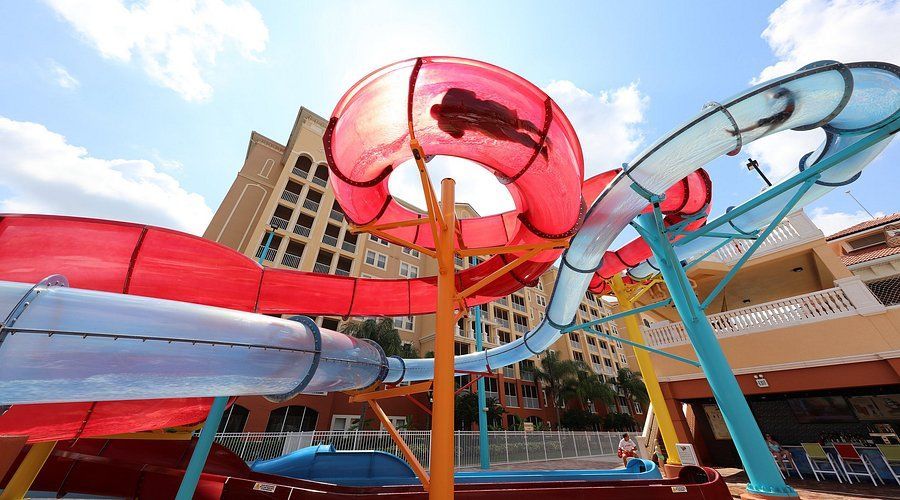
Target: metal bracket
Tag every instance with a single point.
(26, 300)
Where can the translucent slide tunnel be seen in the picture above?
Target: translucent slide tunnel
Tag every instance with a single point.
(151, 325)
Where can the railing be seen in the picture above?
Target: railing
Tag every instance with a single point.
(291, 260)
(300, 172)
(320, 181)
(795, 229)
(598, 368)
(504, 323)
(336, 215)
(342, 272)
(521, 328)
(530, 402)
(278, 222)
(350, 247)
(509, 372)
(527, 375)
(270, 254)
(311, 205)
(290, 196)
(511, 400)
(505, 446)
(502, 301)
(302, 230)
(321, 268)
(816, 306)
(518, 307)
(329, 240)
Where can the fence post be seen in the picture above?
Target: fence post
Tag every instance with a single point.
(587, 439)
(506, 440)
(574, 443)
(244, 447)
(559, 438)
(525, 440)
(544, 444)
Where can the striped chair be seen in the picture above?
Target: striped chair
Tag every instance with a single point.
(850, 458)
(890, 453)
(820, 462)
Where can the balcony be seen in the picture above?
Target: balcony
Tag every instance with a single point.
(342, 272)
(528, 375)
(311, 205)
(503, 301)
(290, 196)
(509, 372)
(320, 181)
(278, 222)
(299, 172)
(795, 229)
(336, 215)
(322, 268)
(349, 247)
(270, 254)
(521, 328)
(291, 260)
(530, 402)
(849, 298)
(518, 307)
(329, 240)
(598, 368)
(511, 400)
(301, 230)
(503, 323)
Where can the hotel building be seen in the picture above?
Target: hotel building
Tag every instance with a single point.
(285, 188)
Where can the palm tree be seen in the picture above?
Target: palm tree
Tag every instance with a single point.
(553, 374)
(632, 386)
(588, 387)
(383, 333)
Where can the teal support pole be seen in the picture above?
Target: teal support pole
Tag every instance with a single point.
(201, 449)
(213, 419)
(483, 445)
(748, 439)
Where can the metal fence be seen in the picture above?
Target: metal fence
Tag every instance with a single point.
(505, 446)
(887, 290)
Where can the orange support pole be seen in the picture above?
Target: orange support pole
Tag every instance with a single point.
(442, 445)
(404, 448)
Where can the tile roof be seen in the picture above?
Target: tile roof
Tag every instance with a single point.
(862, 226)
(867, 254)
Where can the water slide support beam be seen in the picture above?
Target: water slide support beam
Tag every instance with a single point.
(28, 471)
(764, 478)
(484, 450)
(648, 373)
(442, 418)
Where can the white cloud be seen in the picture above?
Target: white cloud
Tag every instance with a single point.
(45, 174)
(174, 41)
(831, 222)
(607, 123)
(804, 31)
(62, 77)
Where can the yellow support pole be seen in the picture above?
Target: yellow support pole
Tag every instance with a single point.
(666, 427)
(28, 470)
(442, 446)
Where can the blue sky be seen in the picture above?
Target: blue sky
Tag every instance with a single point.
(143, 111)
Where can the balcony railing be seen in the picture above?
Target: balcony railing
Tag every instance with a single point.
(816, 306)
(322, 268)
(270, 254)
(598, 368)
(291, 260)
(329, 240)
(350, 247)
(299, 172)
(336, 215)
(502, 301)
(521, 328)
(278, 222)
(511, 400)
(795, 229)
(530, 402)
(320, 181)
(527, 375)
(509, 372)
(342, 272)
(290, 196)
(503, 323)
(518, 307)
(311, 205)
(301, 230)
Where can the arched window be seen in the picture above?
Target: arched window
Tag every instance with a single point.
(234, 419)
(302, 166)
(292, 419)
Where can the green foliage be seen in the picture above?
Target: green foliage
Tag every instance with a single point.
(619, 422)
(466, 411)
(383, 333)
(586, 386)
(632, 385)
(553, 374)
(580, 420)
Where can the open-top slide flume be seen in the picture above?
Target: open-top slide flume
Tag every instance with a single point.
(73, 345)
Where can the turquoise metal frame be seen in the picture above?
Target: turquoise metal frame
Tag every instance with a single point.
(483, 447)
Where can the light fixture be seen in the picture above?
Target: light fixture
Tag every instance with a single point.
(797, 269)
(746, 301)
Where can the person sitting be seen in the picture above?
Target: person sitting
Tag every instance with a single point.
(627, 448)
(777, 451)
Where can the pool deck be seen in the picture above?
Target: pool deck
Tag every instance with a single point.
(736, 479)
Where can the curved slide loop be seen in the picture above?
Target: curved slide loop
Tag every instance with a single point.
(201, 351)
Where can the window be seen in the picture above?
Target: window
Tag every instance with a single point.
(530, 396)
(411, 252)
(541, 301)
(595, 359)
(583, 308)
(591, 340)
(234, 419)
(540, 286)
(637, 407)
(607, 362)
(376, 259)
(578, 356)
(292, 419)
(622, 359)
(404, 323)
(408, 270)
(504, 337)
(512, 395)
(344, 422)
(330, 323)
(378, 240)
